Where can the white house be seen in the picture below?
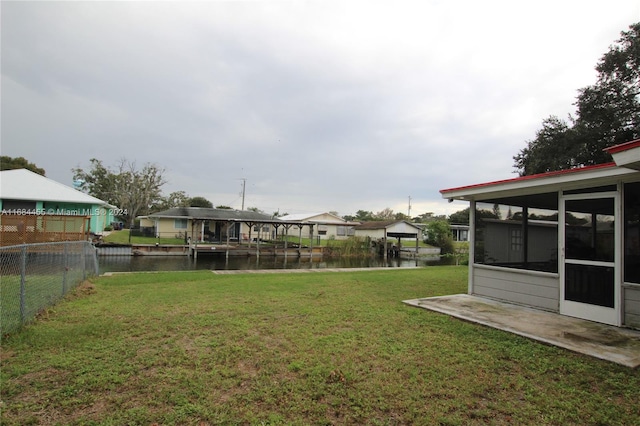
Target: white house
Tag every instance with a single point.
(327, 225)
(566, 241)
(460, 232)
(208, 224)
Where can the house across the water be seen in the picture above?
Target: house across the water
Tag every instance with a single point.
(328, 225)
(36, 209)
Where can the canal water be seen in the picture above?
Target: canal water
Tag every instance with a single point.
(185, 263)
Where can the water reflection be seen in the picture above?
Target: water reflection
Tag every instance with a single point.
(184, 263)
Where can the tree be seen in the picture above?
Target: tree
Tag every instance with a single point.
(386, 214)
(424, 217)
(175, 199)
(607, 113)
(135, 191)
(496, 211)
(401, 216)
(224, 207)
(460, 217)
(99, 181)
(200, 202)
(555, 147)
(439, 235)
(363, 216)
(10, 163)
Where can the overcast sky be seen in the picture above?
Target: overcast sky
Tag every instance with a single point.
(320, 105)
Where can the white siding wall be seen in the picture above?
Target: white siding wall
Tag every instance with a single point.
(536, 289)
(146, 222)
(632, 306)
(332, 231)
(403, 227)
(167, 229)
(330, 228)
(294, 231)
(372, 233)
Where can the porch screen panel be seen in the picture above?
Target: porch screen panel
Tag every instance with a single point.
(518, 232)
(632, 232)
(590, 229)
(590, 284)
(542, 240)
(499, 235)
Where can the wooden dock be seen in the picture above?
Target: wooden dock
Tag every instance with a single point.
(196, 250)
(254, 250)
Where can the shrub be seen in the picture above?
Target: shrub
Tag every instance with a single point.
(439, 235)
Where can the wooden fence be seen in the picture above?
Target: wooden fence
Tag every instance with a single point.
(30, 229)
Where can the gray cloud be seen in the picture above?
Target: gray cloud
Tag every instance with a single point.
(319, 105)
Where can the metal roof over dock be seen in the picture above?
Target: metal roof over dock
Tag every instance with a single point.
(223, 215)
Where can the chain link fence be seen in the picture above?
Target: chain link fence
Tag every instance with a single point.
(35, 276)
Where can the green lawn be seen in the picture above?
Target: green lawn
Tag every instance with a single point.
(41, 290)
(122, 237)
(196, 348)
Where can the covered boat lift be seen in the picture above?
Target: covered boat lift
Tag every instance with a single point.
(226, 220)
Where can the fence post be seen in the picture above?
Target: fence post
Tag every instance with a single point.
(83, 257)
(96, 268)
(23, 280)
(65, 267)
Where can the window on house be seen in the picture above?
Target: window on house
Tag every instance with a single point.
(516, 239)
(343, 231)
(518, 232)
(180, 223)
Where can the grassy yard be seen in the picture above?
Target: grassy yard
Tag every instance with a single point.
(195, 348)
(122, 237)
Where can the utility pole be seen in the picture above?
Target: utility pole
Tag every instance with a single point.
(244, 185)
(409, 209)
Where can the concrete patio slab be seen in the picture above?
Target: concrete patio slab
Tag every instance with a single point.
(614, 344)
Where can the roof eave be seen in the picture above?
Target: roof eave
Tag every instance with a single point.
(547, 182)
(626, 154)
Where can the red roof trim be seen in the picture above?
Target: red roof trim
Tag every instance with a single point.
(623, 147)
(536, 176)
